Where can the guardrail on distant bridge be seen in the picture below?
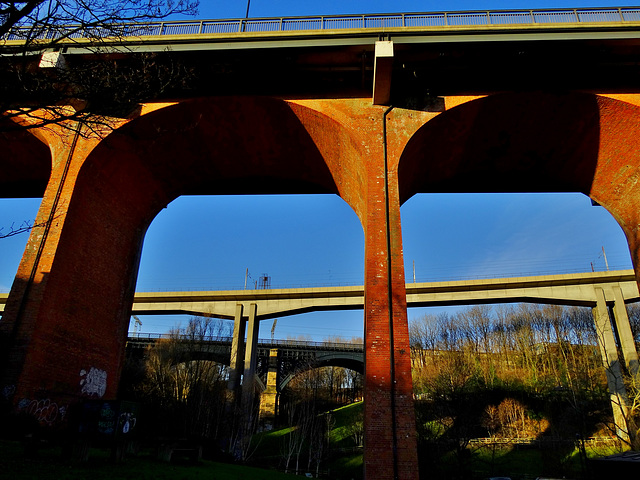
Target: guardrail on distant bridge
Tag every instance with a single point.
(612, 15)
(143, 339)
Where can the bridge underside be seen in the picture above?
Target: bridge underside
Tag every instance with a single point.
(69, 307)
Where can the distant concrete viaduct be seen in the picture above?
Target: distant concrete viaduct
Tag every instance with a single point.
(497, 108)
(598, 290)
(602, 291)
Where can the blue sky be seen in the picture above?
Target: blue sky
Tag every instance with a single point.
(274, 8)
(205, 243)
(208, 243)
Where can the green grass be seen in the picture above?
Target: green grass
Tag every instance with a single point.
(340, 436)
(340, 464)
(48, 465)
(533, 461)
(503, 461)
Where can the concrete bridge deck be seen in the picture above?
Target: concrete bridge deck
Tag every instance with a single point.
(575, 49)
(566, 289)
(185, 34)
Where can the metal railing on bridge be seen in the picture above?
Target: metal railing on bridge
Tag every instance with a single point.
(141, 340)
(612, 15)
(591, 441)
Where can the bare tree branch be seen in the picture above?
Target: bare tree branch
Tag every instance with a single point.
(40, 86)
(44, 23)
(25, 226)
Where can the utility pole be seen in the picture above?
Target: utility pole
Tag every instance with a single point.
(605, 258)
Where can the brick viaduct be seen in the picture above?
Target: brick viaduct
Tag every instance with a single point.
(65, 321)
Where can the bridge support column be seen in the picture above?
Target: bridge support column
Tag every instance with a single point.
(236, 365)
(269, 398)
(389, 420)
(609, 352)
(625, 335)
(250, 360)
(63, 330)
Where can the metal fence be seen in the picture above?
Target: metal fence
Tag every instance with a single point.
(590, 442)
(143, 339)
(613, 15)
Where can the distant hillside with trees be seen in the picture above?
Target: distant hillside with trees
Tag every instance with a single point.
(527, 372)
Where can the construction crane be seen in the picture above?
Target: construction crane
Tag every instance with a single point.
(136, 323)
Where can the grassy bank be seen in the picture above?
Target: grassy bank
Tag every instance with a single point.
(48, 465)
(343, 459)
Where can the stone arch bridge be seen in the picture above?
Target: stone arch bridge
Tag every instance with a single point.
(276, 361)
(374, 110)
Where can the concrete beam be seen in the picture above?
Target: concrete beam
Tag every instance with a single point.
(236, 365)
(250, 360)
(609, 353)
(382, 69)
(571, 289)
(349, 38)
(625, 335)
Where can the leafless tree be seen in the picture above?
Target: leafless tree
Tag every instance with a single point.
(93, 89)
(634, 318)
(356, 428)
(299, 417)
(25, 226)
(318, 444)
(181, 380)
(46, 23)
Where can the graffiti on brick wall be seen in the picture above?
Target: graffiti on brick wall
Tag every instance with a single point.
(8, 391)
(93, 383)
(107, 417)
(126, 422)
(45, 411)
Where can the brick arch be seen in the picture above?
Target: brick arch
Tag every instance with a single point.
(351, 361)
(505, 143)
(206, 146)
(233, 145)
(533, 142)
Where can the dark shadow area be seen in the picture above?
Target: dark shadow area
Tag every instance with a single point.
(25, 163)
(515, 142)
(464, 414)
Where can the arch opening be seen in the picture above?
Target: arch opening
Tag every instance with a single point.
(220, 146)
(531, 142)
(523, 143)
(235, 242)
